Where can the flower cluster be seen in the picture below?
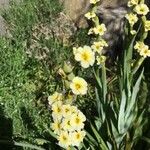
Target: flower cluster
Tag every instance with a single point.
(139, 9)
(68, 122)
(87, 55)
(142, 49)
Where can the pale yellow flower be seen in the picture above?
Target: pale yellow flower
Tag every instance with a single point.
(82, 116)
(90, 15)
(85, 56)
(77, 50)
(94, 1)
(57, 110)
(142, 49)
(141, 9)
(78, 86)
(98, 46)
(145, 52)
(66, 110)
(77, 137)
(147, 25)
(77, 122)
(91, 31)
(132, 18)
(54, 98)
(100, 59)
(133, 2)
(66, 124)
(74, 109)
(100, 29)
(56, 126)
(64, 139)
(139, 46)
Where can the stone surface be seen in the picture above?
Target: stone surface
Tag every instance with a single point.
(3, 5)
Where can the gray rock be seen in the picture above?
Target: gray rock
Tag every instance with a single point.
(3, 5)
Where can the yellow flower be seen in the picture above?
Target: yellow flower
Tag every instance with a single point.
(76, 121)
(98, 46)
(100, 29)
(145, 52)
(86, 56)
(94, 1)
(77, 50)
(90, 15)
(147, 25)
(57, 110)
(100, 59)
(77, 137)
(78, 86)
(132, 18)
(141, 9)
(64, 139)
(54, 98)
(139, 46)
(66, 124)
(74, 109)
(56, 126)
(82, 116)
(133, 2)
(91, 31)
(66, 110)
(142, 49)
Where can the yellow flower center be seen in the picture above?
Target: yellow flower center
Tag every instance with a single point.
(145, 51)
(58, 125)
(142, 10)
(97, 46)
(77, 120)
(78, 136)
(100, 30)
(64, 138)
(78, 86)
(66, 110)
(58, 109)
(85, 56)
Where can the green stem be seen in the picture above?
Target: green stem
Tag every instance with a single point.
(128, 143)
(137, 64)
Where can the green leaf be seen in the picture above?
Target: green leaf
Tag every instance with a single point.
(99, 139)
(139, 126)
(121, 116)
(104, 83)
(118, 137)
(131, 104)
(100, 106)
(97, 76)
(90, 139)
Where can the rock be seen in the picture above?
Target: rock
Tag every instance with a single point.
(3, 5)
